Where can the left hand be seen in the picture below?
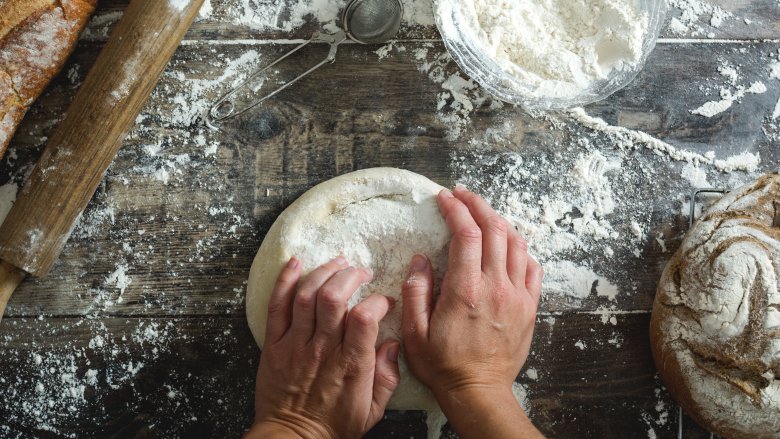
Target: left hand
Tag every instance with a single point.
(320, 374)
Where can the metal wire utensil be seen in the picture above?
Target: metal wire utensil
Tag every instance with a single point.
(695, 195)
(364, 22)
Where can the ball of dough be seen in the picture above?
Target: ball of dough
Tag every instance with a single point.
(715, 328)
(377, 218)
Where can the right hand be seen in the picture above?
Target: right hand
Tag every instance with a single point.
(477, 334)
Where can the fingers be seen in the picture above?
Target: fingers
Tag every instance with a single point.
(494, 230)
(465, 258)
(363, 326)
(280, 303)
(386, 379)
(417, 294)
(332, 301)
(517, 258)
(304, 304)
(533, 279)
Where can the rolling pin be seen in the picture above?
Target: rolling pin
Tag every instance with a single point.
(82, 147)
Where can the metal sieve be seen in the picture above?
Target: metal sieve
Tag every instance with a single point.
(372, 21)
(364, 21)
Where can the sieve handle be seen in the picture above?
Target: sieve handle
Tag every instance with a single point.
(242, 98)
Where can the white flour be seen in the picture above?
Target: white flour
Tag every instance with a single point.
(696, 16)
(558, 47)
(722, 307)
(728, 98)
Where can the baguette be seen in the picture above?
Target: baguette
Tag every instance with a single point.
(36, 38)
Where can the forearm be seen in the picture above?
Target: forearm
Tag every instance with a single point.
(487, 413)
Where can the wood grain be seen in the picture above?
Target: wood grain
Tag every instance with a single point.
(313, 133)
(10, 278)
(85, 143)
(209, 364)
(187, 243)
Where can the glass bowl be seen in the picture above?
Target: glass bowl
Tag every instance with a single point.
(486, 71)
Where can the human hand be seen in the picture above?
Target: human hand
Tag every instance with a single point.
(320, 374)
(477, 332)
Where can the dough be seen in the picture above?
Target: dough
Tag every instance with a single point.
(715, 328)
(377, 218)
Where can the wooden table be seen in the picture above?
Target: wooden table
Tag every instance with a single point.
(140, 328)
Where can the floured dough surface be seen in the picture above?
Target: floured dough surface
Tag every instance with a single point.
(377, 218)
(715, 328)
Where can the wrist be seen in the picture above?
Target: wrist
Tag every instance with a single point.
(472, 391)
(486, 411)
(482, 397)
(282, 428)
(270, 430)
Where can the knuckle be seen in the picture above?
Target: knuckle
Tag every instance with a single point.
(470, 299)
(331, 297)
(501, 295)
(414, 284)
(521, 242)
(388, 380)
(319, 351)
(362, 317)
(275, 307)
(304, 300)
(285, 277)
(470, 233)
(353, 367)
(496, 224)
(470, 196)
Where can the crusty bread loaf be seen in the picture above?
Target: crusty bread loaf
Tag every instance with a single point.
(36, 37)
(715, 328)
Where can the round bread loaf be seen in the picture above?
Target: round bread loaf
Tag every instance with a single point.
(715, 328)
(36, 37)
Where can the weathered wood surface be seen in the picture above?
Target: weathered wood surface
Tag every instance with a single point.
(185, 230)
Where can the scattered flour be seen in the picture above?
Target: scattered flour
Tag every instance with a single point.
(120, 280)
(695, 175)
(625, 138)
(728, 98)
(697, 17)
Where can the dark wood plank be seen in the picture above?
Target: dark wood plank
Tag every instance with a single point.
(194, 377)
(188, 242)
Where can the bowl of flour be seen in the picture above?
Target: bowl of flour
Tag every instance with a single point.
(550, 54)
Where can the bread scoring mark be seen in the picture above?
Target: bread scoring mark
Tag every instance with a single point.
(340, 208)
(714, 317)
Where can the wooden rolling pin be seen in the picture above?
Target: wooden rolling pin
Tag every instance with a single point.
(85, 143)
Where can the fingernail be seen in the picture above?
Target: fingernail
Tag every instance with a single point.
(460, 187)
(447, 193)
(392, 352)
(340, 261)
(369, 272)
(419, 263)
(293, 262)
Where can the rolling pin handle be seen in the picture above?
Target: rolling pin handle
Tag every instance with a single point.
(10, 278)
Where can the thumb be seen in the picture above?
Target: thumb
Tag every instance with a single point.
(386, 379)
